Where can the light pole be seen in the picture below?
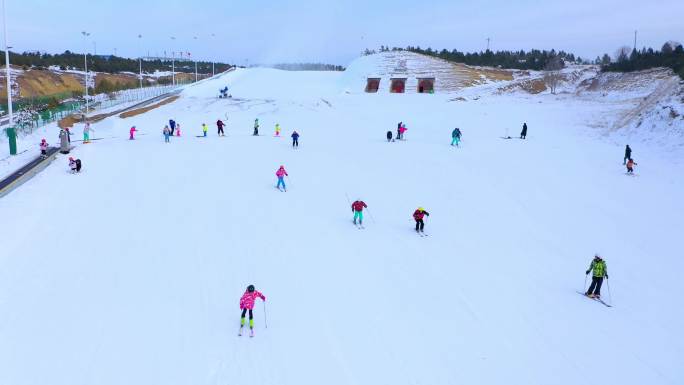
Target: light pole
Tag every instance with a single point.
(11, 134)
(213, 72)
(85, 65)
(195, 38)
(140, 61)
(173, 63)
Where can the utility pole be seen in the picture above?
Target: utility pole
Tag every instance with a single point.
(173, 63)
(85, 65)
(195, 38)
(635, 38)
(11, 134)
(140, 60)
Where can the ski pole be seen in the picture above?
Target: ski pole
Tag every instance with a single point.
(265, 323)
(584, 288)
(610, 297)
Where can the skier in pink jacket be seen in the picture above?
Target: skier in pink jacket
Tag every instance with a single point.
(247, 303)
(132, 132)
(281, 173)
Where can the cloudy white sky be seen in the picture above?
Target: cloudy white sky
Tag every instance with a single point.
(267, 31)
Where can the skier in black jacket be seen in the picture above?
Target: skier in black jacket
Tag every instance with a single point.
(628, 154)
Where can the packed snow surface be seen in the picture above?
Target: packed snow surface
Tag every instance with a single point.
(131, 271)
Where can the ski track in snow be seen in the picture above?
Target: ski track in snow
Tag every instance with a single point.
(131, 271)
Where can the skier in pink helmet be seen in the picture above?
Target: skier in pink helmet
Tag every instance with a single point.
(247, 303)
(281, 174)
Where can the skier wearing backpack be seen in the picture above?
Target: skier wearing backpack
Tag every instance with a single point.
(281, 174)
(74, 165)
(219, 125)
(418, 216)
(357, 209)
(247, 304)
(599, 269)
(295, 139)
(455, 137)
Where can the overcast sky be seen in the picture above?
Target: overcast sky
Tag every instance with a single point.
(267, 31)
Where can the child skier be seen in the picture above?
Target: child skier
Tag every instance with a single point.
(630, 166)
(256, 127)
(599, 269)
(247, 303)
(86, 132)
(277, 130)
(132, 132)
(43, 148)
(281, 174)
(167, 132)
(418, 216)
(205, 129)
(389, 136)
(455, 137)
(295, 139)
(402, 130)
(219, 125)
(178, 132)
(74, 165)
(357, 209)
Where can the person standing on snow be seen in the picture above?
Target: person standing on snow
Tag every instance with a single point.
(628, 154)
(277, 130)
(399, 130)
(357, 209)
(86, 132)
(43, 148)
(630, 166)
(247, 304)
(598, 266)
(220, 124)
(389, 136)
(167, 132)
(256, 127)
(281, 174)
(132, 132)
(402, 130)
(455, 137)
(523, 133)
(295, 139)
(74, 165)
(205, 129)
(172, 125)
(418, 216)
(178, 131)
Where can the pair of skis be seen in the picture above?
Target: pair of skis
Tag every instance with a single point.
(421, 234)
(251, 332)
(597, 299)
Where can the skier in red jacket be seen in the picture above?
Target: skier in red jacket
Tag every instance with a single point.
(247, 303)
(418, 215)
(357, 209)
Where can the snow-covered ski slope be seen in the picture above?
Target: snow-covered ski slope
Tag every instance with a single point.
(131, 272)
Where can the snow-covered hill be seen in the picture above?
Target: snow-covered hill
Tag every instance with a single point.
(131, 272)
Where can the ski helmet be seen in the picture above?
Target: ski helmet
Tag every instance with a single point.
(250, 288)
(421, 209)
(71, 158)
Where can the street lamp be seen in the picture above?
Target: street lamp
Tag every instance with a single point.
(85, 64)
(11, 134)
(140, 61)
(173, 63)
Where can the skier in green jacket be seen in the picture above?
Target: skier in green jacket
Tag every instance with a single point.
(598, 266)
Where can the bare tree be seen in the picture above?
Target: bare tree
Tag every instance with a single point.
(552, 76)
(622, 54)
